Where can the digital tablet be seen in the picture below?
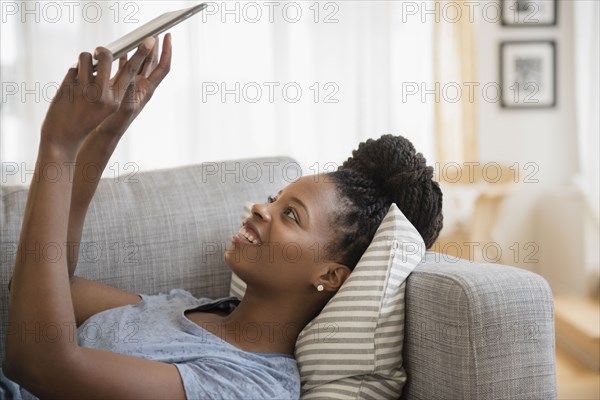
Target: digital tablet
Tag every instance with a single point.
(158, 25)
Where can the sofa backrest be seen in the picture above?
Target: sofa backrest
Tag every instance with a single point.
(157, 230)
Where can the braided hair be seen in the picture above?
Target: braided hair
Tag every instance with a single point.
(381, 172)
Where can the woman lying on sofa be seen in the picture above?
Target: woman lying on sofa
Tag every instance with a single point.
(341, 212)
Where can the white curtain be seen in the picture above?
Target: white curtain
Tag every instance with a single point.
(310, 85)
(587, 100)
(456, 115)
(587, 65)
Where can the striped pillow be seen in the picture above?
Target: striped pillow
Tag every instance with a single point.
(353, 348)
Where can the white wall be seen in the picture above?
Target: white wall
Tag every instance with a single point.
(543, 136)
(545, 213)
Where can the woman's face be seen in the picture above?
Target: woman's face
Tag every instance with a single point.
(281, 246)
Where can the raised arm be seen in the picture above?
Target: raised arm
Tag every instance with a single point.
(42, 353)
(99, 146)
(90, 297)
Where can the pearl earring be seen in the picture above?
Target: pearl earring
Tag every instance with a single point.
(320, 288)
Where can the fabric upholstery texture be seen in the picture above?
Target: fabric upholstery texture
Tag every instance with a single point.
(479, 331)
(472, 331)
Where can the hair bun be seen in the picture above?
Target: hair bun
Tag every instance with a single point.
(391, 162)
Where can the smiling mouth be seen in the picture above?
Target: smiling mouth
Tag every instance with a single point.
(249, 236)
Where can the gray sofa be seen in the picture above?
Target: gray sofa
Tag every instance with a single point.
(473, 331)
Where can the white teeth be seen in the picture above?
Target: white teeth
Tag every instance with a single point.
(247, 235)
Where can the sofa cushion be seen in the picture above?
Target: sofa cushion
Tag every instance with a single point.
(353, 348)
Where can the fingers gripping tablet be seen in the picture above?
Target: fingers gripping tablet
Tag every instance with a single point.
(154, 27)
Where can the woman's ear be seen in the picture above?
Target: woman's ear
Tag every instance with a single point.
(333, 276)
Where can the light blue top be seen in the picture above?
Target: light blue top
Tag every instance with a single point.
(210, 368)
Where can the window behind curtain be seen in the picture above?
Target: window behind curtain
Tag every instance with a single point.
(351, 60)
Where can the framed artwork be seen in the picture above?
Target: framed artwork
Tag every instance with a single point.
(528, 74)
(529, 12)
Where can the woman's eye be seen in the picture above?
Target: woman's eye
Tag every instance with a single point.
(290, 212)
(270, 199)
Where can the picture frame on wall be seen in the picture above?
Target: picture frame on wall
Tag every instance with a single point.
(529, 12)
(528, 74)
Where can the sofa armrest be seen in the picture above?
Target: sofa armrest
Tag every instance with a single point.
(478, 331)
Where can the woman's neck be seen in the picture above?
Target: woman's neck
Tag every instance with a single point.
(267, 323)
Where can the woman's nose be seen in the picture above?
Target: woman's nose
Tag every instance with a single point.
(261, 210)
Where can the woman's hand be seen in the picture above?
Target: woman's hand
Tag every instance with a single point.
(140, 91)
(84, 100)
